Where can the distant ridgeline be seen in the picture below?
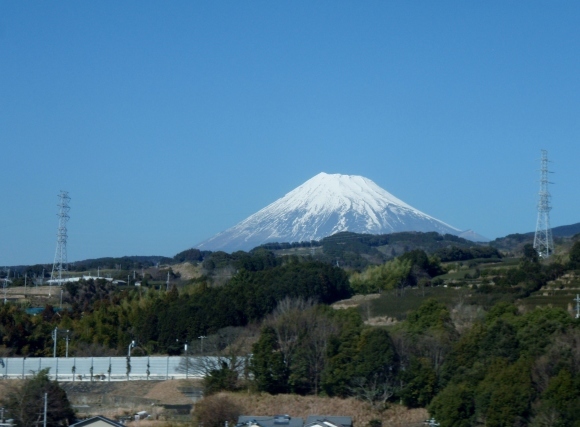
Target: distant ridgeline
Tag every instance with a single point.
(515, 242)
(106, 263)
(359, 250)
(351, 250)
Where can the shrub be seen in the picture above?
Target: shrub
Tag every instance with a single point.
(215, 410)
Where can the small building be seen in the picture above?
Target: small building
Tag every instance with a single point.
(98, 421)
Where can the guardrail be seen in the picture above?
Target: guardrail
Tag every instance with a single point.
(107, 368)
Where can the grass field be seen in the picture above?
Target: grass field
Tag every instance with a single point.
(552, 298)
(394, 306)
(397, 307)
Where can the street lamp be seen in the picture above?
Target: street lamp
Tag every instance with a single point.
(202, 338)
(133, 344)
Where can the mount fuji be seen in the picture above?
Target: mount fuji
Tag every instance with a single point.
(324, 205)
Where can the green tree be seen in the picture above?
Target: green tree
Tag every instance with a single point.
(561, 400)
(222, 379)
(267, 364)
(504, 396)
(454, 406)
(25, 402)
(530, 255)
(376, 354)
(375, 367)
(575, 256)
(430, 315)
(420, 383)
(391, 275)
(342, 351)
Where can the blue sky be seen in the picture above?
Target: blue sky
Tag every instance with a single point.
(169, 122)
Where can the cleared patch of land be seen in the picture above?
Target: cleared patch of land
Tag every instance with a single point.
(303, 406)
(187, 270)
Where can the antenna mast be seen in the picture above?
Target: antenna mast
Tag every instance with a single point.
(543, 242)
(60, 257)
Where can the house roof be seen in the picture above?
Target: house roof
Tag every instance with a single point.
(268, 421)
(98, 419)
(328, 421)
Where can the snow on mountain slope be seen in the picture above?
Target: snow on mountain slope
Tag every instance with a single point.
(322, 206)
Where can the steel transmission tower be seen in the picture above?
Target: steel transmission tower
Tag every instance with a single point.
(60, 257)
(543, 242)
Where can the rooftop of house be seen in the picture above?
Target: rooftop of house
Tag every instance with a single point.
(98, 421)
(288, 421)
(267, 421)
(328, 421)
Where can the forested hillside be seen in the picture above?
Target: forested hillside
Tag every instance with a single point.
(105, 318)
(486, 358)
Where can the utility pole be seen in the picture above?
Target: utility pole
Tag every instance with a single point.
(6, 286)
(543, 242)
(186, 362)
(45, 408)
(54, 337)
(202, 338)
(577, 299)
(67, 340)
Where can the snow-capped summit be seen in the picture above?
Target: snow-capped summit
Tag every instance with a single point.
(322, 206)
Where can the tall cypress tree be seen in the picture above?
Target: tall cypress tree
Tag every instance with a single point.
(267, 364)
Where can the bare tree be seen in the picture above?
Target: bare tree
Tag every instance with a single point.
(319, 330)
(227, 348)
(303, 332)
(214, 411)
(434, 347)
(465, 315)
(288, 323)
(374, 390)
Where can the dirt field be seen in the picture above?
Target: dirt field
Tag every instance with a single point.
(159, 398)
(38, 296)
(303, 406)
(186, 270)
